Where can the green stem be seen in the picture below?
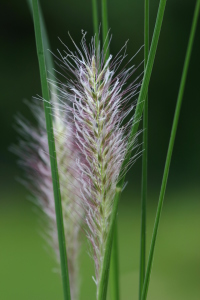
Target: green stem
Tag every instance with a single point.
(144, 158)
(106, 262)
(48, 56)
(138, 113)
(170, 149)
(114, 267)
(95, 21)
(105, 28)
(52, 151)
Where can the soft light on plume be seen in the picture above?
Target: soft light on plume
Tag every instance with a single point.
(98, 99)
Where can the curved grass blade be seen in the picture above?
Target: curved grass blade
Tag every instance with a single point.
(138, 114)
(144, 158)
(52, 152)
(170, 149)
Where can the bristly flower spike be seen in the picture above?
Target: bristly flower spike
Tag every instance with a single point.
(34, 159)
(100, 102)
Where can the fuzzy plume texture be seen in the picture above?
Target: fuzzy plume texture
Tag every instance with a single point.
(34, 159)
(99, 99)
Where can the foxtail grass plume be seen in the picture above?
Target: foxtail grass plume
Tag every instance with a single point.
(100, 102)
(34, 159)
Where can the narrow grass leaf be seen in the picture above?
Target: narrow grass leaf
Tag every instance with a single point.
(105, 28)
(95, 21)
(52, 152)
(170, 149)
(144, 157)
(45, 38)
(114, 267)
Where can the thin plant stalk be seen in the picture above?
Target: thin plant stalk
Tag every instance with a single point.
(170, 149)
(52, 151)
(114, 267)
(48, 56)
(138, 114)
(144, 157)
(107, 256)
(95, 21)
(105, 27)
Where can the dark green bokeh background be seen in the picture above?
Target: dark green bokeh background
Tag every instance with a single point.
(25, 267)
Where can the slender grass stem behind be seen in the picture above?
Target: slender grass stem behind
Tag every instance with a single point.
(138, 114)
(48, 56)
(52, 151)
(114, 267)
(170, 149)
(144, 157)
(95, 21)
(106, 262)
(105, 28)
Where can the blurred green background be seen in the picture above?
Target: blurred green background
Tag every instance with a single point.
(26, 269)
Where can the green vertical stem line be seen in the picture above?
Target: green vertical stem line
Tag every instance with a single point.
(95, 22)
(114, 267)
(105, 27)
(52, 151)
(144, 158)
(106, 262)
(103, 282)
(48, 56)
(170, 149)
